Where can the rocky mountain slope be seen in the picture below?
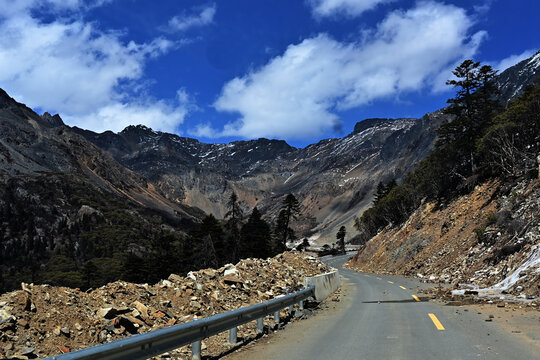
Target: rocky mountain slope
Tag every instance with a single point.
(33, 145)
(333, 179)
(513, 80)
(485, 240)
(63, 199)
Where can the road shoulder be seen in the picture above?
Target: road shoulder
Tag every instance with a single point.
(295, 331)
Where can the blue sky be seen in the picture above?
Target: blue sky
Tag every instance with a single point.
(239, 69)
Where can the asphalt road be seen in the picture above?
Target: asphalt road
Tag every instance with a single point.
(381, 319)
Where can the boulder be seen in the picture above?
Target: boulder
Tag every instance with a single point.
(6, 317)
(106, 313)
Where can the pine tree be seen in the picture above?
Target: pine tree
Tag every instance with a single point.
(472, 109)
(340, 236)
(163, 258)
(209, 257)
(290, 209)
(2, 282)
(212, 228)
(89, 272)
(379, 193)
(234, 215)
(255, 237)
(511, 145)
(383, 190)
(199, 252)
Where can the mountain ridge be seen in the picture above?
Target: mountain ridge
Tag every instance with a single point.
(261, 171)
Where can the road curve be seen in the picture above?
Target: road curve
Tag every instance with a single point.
(383, 319)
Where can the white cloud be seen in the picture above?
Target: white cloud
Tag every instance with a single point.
(482, 8)
(203, 130)
(184, 22)
(157, 114)
(325, 8)
(71, 67)
(513, 60)
(298, 94)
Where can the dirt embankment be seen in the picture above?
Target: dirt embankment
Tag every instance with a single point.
(42, 320)
(487, 241)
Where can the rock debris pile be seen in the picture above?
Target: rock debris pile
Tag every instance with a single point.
(42, 320)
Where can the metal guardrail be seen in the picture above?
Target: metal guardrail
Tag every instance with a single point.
(156, 342)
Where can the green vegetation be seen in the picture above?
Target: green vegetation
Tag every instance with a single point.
(48, 236)
(60, 230)
(482, 140)
(256, 237)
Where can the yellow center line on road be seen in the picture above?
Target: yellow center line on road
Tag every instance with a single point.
(416, 298)
(436, 321)
(404, 288)
(390, 282)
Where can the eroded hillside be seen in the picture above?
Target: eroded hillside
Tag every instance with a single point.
(488, 239)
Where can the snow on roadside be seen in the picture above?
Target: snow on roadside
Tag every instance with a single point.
(533, 262)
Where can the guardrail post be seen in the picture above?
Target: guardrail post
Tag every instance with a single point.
(291, 309)
(301, 305)
(276, 317)
(233, 335)
(260, 325)
(196, 350)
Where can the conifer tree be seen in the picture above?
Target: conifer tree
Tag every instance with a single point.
(379, 193)
(209, 257)
(383, 190)
(234, 215)
(472, 108)
(255, 237)
(199, 252)
(340, 236)
(511, 144)
(210, 227)
(89, 272)
(290, 209)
